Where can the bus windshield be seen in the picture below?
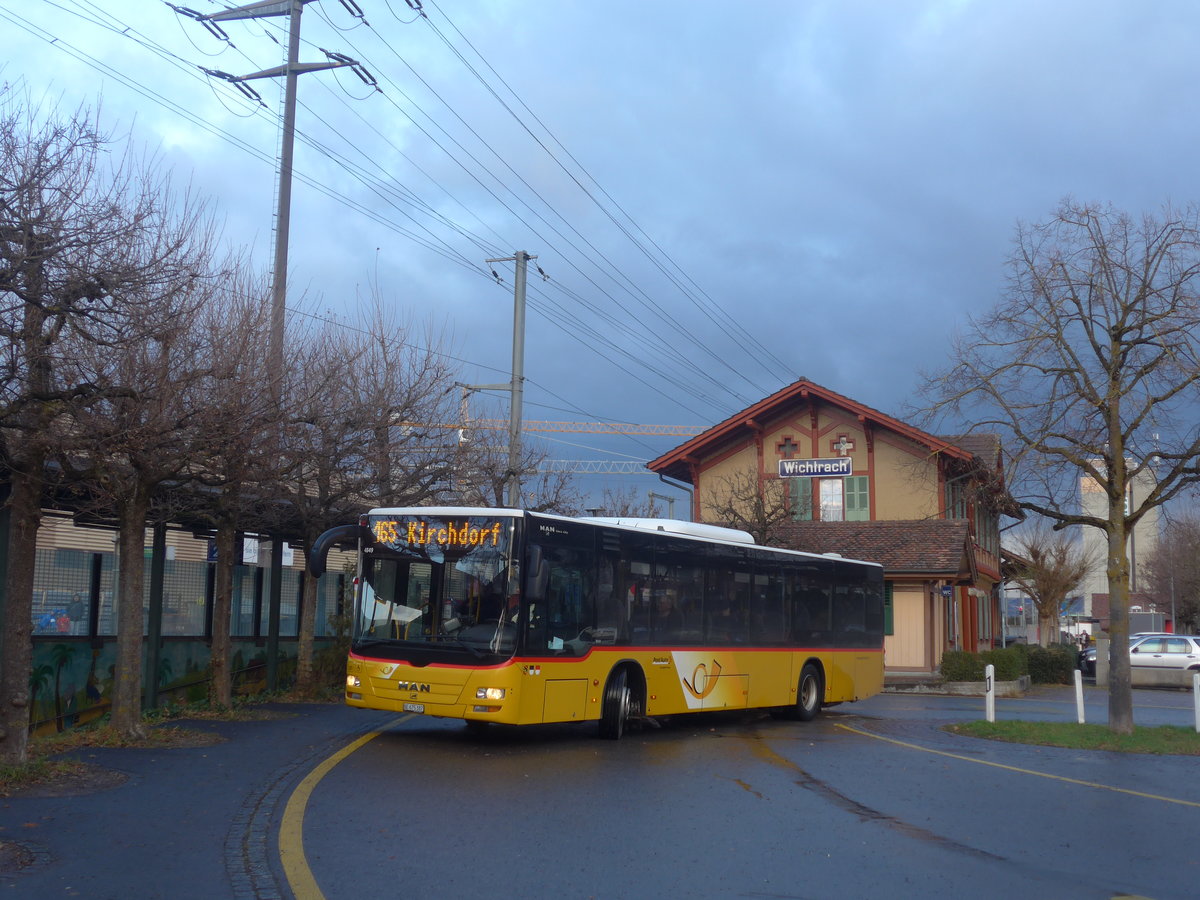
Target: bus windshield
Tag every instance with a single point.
(441, 582)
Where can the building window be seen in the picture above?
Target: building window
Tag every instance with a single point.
(956, 499)
(858, 499)
(800, 498)
(841, 499)
(987, 529)
(889, 621)
(984, 615)
(832, 500)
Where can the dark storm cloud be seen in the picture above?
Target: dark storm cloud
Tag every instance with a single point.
(842, 180)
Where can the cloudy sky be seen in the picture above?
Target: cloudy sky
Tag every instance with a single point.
(724, 196)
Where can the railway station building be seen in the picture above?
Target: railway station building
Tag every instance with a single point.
(810, 469)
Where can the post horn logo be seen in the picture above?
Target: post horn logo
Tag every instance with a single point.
(702, 683)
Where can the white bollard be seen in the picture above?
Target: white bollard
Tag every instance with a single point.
(989, 691)
(1079, 696)
(1196, 698)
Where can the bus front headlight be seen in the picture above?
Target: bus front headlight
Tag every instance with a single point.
(352, 681)
(489, 693)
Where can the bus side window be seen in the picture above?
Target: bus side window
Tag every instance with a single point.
(766, 608)
(850, 615)
(634, 576)
(608, 623)
(561, 623)
(725, 607)
(810, 612)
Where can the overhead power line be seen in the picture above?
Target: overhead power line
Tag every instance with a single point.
(598, 427)
(625, 308)
(575, 427)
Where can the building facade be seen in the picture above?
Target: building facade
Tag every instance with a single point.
(1141, 543)
(825, 473)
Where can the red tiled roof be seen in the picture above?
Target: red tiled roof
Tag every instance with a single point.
(984, 446)
(931, 547)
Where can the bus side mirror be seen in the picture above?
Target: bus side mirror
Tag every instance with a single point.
(319, 551)
(537, 576)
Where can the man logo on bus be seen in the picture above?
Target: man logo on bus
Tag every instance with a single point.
(414, 686)
(703, 684)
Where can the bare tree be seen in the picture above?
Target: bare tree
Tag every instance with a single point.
(403, 386)
(1173, 572)
(1089, 368)
(628, 502)
(237, 429)
(137, 437)
(1048, 567)
(481, 475)
(87, 246)
(742, 501)
(364, 409)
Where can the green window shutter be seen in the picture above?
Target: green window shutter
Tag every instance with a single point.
(800, 493)
(888, 622)
(858, 499)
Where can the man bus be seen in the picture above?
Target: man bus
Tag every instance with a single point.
(515, 617)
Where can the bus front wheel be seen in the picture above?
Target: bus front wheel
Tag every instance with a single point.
(614, 714)
(810, 693)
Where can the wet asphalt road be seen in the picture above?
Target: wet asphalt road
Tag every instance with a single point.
(871, 800)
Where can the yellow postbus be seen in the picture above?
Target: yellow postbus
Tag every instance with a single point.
(516, 617)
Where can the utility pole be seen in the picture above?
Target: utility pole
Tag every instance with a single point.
(670, 501)
(290, 70)
(512, 494)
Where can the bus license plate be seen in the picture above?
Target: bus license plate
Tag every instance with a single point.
(414, 707)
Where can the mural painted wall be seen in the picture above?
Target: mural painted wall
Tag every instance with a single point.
(71, 680)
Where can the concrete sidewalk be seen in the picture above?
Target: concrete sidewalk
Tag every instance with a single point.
(185, 822)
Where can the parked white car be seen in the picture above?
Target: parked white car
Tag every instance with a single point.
(1166, 652)
(1153, 651)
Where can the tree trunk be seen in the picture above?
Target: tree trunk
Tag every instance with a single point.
(127, 683)
(16, 661)
(1120, 688)
(1049, 628)
(304, 642)
(220, 689)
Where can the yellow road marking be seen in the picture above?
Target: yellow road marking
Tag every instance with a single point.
(291, 829)
(1018, 769)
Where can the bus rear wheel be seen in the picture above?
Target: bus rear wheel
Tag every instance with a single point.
(809, 693)
(614, 714)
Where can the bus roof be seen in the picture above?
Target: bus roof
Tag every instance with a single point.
(672, 526)
(666, 526)
(676, 526)
(446, 511)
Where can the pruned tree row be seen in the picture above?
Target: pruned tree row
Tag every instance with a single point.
(135, 373)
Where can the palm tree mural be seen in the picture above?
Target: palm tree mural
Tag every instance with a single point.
(60, 656)
(165, 669)
(92, 689)
(38, 678)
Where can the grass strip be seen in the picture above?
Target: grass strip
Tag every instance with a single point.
(1162, 739)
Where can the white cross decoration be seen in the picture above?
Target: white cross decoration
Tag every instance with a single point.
(843, 445)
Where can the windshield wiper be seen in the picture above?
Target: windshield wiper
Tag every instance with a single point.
(373, 642)
(478, 654)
